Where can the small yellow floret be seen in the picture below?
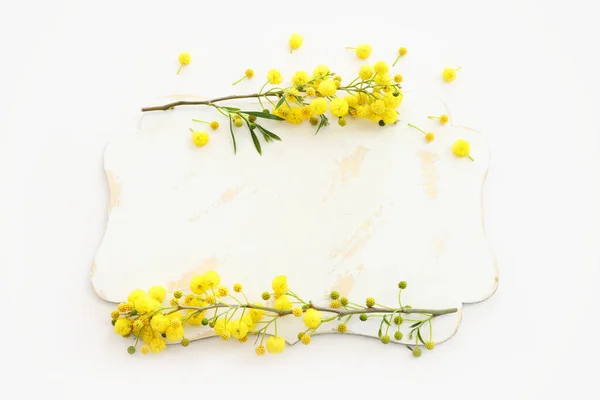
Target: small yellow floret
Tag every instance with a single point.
(365, 72)
(363, 51)
(295, 41)
(381, 67)
(274, 77)
(199, 138)
(429, 136)
(312, 318)
(339, 107)
(249, 73)
(327, 88)
(275, 344)
(157, 293)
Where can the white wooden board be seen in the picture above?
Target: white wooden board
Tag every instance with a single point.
(355, 209)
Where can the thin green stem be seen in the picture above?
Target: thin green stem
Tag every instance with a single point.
(239, 80)
(417, 128)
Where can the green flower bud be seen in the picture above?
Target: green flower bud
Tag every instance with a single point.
(211, 324)
(381, 123)
(385, 339)
(114, 321)
(344, 301)
(300, 87)
(370, 302)
(334, 295)
(204, 321)
(252, 126)
(398, 335)
(266, 296)
(396, 94)
(314, 120)
(402, 285)
(252, 118)
(131, 349)
(342, 328)
(185, 342)
(177, 294)
(133, 312)
(266, 111)
(398, 320)
(342, 121)
(300, 334)
(407, 306)
(429, 345)
(417, 352)
(363, 317)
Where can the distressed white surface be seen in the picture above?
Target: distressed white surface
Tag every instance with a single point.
(355, 209)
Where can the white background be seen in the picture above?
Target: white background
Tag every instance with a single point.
(73, 74)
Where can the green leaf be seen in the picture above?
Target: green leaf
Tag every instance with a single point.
(324, 122)
(232, 109)
(379, 332)
(280, 102)
(259, 114)
(255, 140)
(386, 321)
(232, 135)
(265, 131)
(415, 324)
(420, 337)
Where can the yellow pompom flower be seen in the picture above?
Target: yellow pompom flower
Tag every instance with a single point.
(157, 345)
(222, 291)
(184, 59)
(305, 339)
(310, 91)
(114, 314)
(237, 287)
(398, 78)
(321, 70)
(378, 107)
(196, 317)
(306, 112)
(248, 74)
(282, 111)
(383, 78)
(295, 116)
(144, 304)
(365, 72)
(137, 325)
(339, 107)
(283, 303)
(297, 311)
(145, 349)
(300, 77)
(381, 67)
(401, 53)
(123, 327)
(210, 299)
(255, 313)
(260, 350)
(448, 74)
(125, 307)
(335, 304)
(327, 88)
(462, 148)
(275, 344)
(274, 77)
(442, 118)
(214, 125)
(295, 41)
(147, 336)
(318, 106)
(430, 136)
(312, 318)
(389, 116)
(157, 293)
(210, 280)
(279, 284)
(238, 329)
(363, 51)
(159, 323)
(196, 285)
(199, 138)
(134, 295)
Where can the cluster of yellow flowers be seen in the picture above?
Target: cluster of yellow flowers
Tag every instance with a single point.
(374, 94)
(144, 316)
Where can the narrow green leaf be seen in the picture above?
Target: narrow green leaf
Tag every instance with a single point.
(280, 102)
(386, 321)
(232, 135)
(269, 133)
(419, 336)
(259, 114)
(254, 139)
(379, 332)
(415, 324)
(232, 109)
(324, 122)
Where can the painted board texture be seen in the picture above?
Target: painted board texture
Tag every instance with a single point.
(353, 209)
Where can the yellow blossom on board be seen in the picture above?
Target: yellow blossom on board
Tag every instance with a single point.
(448, 74)
(398, 78)
(275, 344)
(255, 313)
(283, 303)
(310, 91)
(214, 125)
(297, 311)
(365, 72)
(199, 138)
(312, 318)
(157, 293)
(381, 67)
(462, 148)
(321, 70)
(134, 295)
(159, 323)
(184, 59)
(318, 106)
(210, 280)
(295, 116)
(238, 329)
(429, 136)
(157, 345)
